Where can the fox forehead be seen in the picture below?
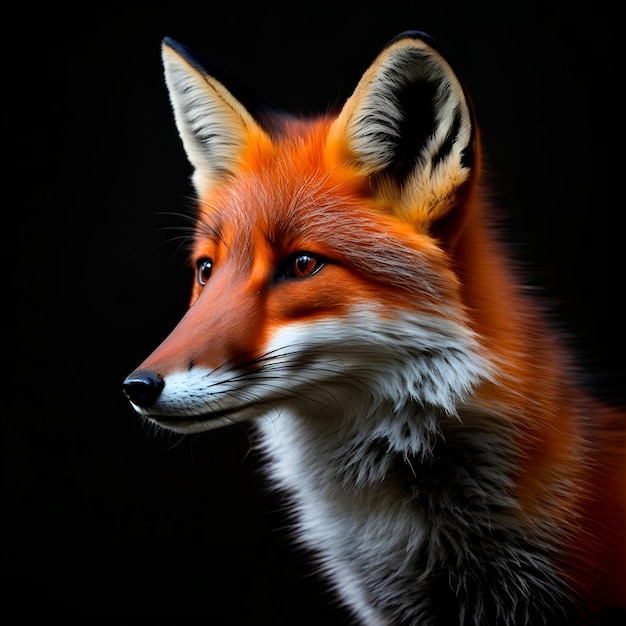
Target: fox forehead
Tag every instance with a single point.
(290, 210)
(293, 188)
(283, 184)
(278, 210)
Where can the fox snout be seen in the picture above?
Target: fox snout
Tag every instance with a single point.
(143, 387)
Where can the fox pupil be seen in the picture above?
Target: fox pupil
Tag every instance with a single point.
(305, 265)
(205, 266)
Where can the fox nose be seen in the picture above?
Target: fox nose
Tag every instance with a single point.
(143, 387)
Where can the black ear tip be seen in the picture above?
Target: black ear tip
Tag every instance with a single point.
(170, 43)
(185, 52)
(415, 34)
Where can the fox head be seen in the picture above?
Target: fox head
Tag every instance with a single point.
(323, 251)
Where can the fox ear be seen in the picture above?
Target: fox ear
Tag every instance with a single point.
(213, 124)
(408, 126)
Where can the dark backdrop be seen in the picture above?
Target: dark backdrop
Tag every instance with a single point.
(108, 522)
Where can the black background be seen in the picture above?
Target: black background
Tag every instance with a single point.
(106, 521)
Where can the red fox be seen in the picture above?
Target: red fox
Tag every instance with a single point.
(353, 297)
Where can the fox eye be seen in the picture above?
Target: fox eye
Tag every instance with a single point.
(304, 265)
(205, 267)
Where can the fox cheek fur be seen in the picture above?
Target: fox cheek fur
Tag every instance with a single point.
(352, 298)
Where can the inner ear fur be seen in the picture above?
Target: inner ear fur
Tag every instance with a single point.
(408, 126)
(214, 126)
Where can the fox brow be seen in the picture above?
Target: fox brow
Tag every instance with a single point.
(310, 214)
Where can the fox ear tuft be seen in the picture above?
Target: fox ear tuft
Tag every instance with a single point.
(213, 125)
(409, 125)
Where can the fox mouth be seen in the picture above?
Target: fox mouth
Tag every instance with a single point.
(203, 421)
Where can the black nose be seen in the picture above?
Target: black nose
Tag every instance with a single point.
(143, 387)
